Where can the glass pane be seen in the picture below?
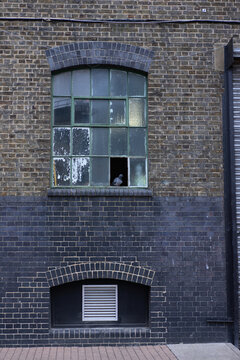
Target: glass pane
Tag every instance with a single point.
(136, 112)
(81, 82)
(80, 171)
(100, 112)
(100, 141)
(61, 172)
(61, 141)
(100, 171)
(82, 111)
(119, 141)
(81, 141)
(138, 172)
(117, 112)
(118, 83)
(136, 84)
(99, 82)
(137, 141)
(62, 111)
(62, 84)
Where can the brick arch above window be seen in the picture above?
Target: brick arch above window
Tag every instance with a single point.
(99, 53)
(100, 270)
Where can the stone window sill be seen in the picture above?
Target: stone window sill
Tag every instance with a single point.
(99, 192)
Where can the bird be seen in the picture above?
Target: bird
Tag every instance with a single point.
(118, 180)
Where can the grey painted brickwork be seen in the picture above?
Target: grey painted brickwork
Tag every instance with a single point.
(179, 239)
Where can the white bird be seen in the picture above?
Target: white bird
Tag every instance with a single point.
(118, 180)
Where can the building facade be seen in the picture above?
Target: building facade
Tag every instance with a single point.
(90, 91)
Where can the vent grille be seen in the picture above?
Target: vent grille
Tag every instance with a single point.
(100, 303)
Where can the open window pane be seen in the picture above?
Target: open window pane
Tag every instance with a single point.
(136, 112)
(138, 172)
(100, 82)
(61, 172)
(81, 82)
(82, 111)
(117, 112)
(80, 171)
(136, 84)
(62, 84)
(119, 141)
(62, 111)
(118, 83)
(100, 171)
(137, 141)
(61, 141)
(81, 141)
(100, 141)
(100, 112)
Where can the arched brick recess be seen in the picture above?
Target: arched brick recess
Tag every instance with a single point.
(100, 270)
(103, 53)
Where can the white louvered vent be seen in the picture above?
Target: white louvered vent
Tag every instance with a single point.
(100, 303)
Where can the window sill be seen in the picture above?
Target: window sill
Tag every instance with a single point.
(99, 192)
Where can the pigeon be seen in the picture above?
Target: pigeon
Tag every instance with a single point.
(118, 180)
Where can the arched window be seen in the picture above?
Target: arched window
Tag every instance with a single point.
(99, 128)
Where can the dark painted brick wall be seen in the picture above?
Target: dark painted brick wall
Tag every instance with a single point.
(181, 239)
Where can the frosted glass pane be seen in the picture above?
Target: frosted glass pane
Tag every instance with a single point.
(61, 141)
(100, 82)
(82, 111)
(136, 112)
(80, 171)
(100, 112)
(81, 141)
(119, 141)
(100, 171)
(61, 172)
(117, 112)
(100, 141)
(62, 84)
(62, 111)
(138, 172)
(118, 83)
(81, 82)
(137, 141)
(136, 85)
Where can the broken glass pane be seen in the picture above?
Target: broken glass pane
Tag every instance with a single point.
(138, 172)
(81, 141)
(137, 141)
(100, 171)
(117, 112)
(100, 82)
(137, 112)
(80, 171)
(100, 141)
(119, 141)
(61, 171)
(118, 83)
(136, 84)
(100, 112)
(62, 111)
(81, 82)
(61, 141)
(62, 84)
(82, 111)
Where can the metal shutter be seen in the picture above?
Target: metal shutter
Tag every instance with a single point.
(100, 303)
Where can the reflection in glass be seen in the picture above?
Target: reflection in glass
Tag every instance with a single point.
(80, 171)
(81, 141)
(137, 112)
(136, 84)
(81, 82)
(62, 84)
(62, 111)
(137, 141)
(137, 172)
(61, 172)
(119, 141)
(100, 82)
(117, 112)
(61, 141)
(100, 141)
(100, 112)
(82, 111)
(118, 83)
(100, 171)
